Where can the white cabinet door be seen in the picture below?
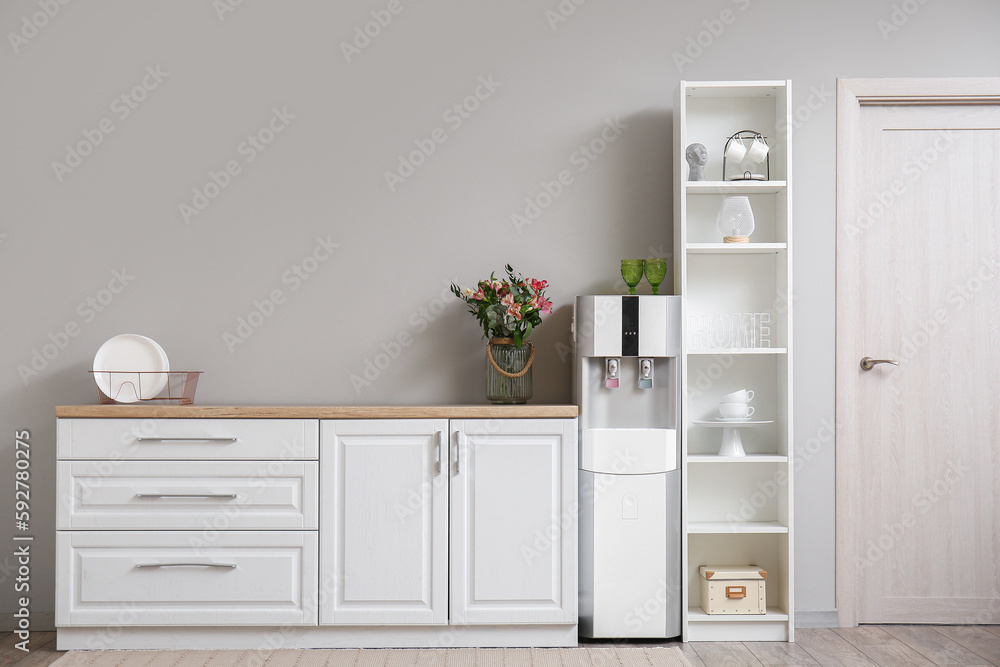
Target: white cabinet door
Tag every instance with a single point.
(513, 521)
(384, 522)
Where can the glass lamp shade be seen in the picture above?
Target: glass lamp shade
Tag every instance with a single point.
(735, 217)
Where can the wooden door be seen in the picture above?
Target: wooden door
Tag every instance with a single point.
(918, 283)
(513, 521)
(384, 522)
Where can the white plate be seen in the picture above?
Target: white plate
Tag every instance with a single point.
(733, 419)
(135, 356)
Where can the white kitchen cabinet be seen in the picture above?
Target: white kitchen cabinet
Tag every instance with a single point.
(385, 526)
(385, 522)
(513, 521)
(223, 528)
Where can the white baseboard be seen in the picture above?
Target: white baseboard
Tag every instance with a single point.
(816, 619)
(324, 636)
(41, 621)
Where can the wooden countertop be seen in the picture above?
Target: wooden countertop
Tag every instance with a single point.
(147, 411)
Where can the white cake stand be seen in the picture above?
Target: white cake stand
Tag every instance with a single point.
(732, 443)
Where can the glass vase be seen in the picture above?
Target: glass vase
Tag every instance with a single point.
(508, 371)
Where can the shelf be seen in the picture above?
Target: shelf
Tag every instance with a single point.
(749, 458)
(734, 187)
(698, 615)
(734, 527)
(735, 423)
(737, 89)
(735, 248)
(738, 350)
(728, 288)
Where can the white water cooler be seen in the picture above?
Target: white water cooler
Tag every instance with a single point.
(626, 379)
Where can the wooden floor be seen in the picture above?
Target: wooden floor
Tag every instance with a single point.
(865, 646)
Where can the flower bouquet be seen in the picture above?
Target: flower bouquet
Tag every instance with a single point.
(508, 310)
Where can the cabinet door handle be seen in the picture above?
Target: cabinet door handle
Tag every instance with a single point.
(228, 566)
(459, 439)
(438, 450)
(226, 496)
(185, 439)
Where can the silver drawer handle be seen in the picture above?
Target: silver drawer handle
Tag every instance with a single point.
(228, 566)
(185, 439)
(227, 496)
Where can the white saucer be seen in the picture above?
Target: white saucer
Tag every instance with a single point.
(142, 366)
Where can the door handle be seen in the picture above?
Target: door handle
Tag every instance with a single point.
(459, 439)
(438, 450)
(868, 363)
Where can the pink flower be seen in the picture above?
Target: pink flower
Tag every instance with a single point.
(514, 311)
(546, 306)
(508, 300)
(539, 285)
(479, 296)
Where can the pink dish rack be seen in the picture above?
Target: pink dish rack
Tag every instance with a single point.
(179, 389)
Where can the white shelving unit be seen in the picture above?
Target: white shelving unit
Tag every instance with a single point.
(736, 510)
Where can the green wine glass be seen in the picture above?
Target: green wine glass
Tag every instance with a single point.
(655, 270)
(632, 273)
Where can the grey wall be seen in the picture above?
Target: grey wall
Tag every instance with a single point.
(223, 73)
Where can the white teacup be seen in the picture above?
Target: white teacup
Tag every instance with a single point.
(758, 150)
(736, 150)
(735, 410)
(741, 396)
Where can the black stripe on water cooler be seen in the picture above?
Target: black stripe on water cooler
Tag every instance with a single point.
(630, 326)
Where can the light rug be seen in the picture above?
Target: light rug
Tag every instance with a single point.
(451, 657)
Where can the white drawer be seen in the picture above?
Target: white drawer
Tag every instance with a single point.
(176, 579)
(175, 439)
(200, 495)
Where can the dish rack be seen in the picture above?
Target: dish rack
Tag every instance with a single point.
(180, 386)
